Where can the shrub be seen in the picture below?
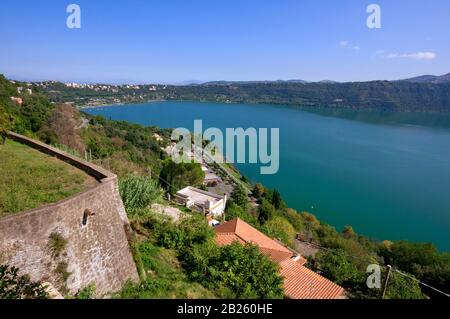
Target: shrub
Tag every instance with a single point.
(295, 219)
(239, 197)
(258, 191)
(57, 243)
(235, 271)
(139, 192)
(13, 286)
(337, 267)
(177, 176)
(281, 229)
(234, 211)
(266, 211)
(86, 293)
(400, 287)
(193, 229)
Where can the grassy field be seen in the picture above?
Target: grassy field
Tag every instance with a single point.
(166, 279)
(30, 179)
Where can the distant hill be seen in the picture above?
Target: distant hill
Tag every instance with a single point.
(190, 82)
(421, 94)
(430, 79)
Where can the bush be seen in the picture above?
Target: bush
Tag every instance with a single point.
(258, 191)
(57, 243)
(177, 176)
(295, 219)
(337, 268)
(239, 197)
(139, 192)
(234, 211)
(235, 271)
(266, 211)
(13, 286)
(400, 287)
(281, 229)
(86, 293)
(193, 229)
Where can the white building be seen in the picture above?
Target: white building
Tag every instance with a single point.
(210, 204)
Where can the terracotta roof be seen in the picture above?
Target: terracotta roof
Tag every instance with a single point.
(227, 239)
(299, 281)
(250, 235)
(303, 283)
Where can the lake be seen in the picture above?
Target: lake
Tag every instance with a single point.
(386, 175)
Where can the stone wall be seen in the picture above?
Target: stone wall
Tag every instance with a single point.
(76, 242)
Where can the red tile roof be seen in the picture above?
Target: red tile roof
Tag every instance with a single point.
(250, 235)
(303, 283)
(299, 281)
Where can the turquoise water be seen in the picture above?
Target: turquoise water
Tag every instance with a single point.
(388, 179)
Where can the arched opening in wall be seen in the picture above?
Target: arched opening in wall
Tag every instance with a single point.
(87, 213)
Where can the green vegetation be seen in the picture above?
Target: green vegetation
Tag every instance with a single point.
(374, 95)
(14, 286)
(239, 197)
(139, 192)
(228, 272)
(280, 228)
(235, 271)
(424, 261)
(343, 257)
(57, 243)
(177, 176)
(182, 261)
(30, 179)
(166, 278)
(86, 293)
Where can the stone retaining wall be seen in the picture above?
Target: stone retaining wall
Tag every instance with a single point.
(88, 229)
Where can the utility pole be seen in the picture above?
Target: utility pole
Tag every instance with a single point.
(386, 282)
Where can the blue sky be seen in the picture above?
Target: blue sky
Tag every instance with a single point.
(173, 41)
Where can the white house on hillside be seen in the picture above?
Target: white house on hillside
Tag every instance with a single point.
(204, 202)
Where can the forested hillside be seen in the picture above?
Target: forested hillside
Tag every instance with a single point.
(132, 150)
(407, 96)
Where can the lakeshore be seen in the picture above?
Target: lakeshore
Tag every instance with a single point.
(346, 172)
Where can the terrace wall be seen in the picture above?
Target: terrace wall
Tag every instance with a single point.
(96, 252)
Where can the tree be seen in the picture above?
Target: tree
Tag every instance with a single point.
(337, 268)
(245, 179)
(5, 124)
(258, 191)
(279, 227)
(234, 211)
(295, 219)
(348, 232)
(14, 286)
(236, 271)
(191, 230)
(139, 192)
(177, 176)
(266, 211)
(400, 287)
(239, 197)
(277, 201)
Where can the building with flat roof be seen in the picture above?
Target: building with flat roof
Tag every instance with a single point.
(204, 202)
